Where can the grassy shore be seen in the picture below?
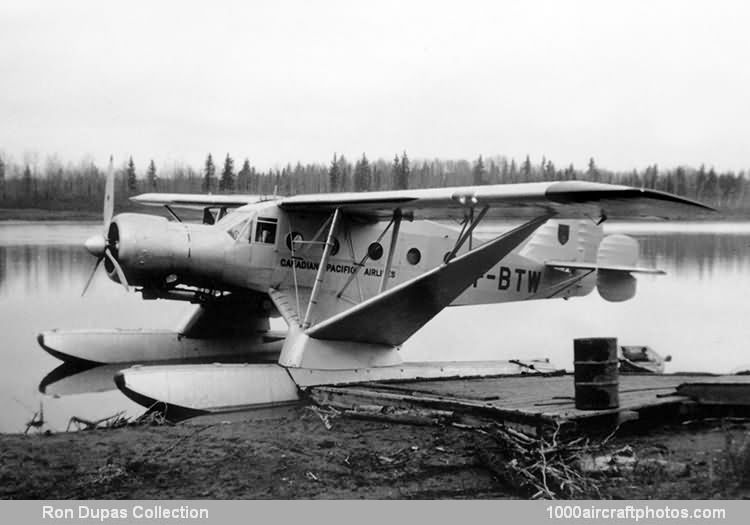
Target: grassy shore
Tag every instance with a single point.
(293, 455)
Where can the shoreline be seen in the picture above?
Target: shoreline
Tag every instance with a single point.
(294, 455)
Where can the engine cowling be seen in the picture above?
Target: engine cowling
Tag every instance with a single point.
(147, 247)
(154, 252)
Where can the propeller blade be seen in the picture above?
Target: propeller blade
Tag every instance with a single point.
(91, 277)
(109, 195)
(118, 269)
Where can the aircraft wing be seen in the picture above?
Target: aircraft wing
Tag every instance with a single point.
(196, 201)
(564, 199)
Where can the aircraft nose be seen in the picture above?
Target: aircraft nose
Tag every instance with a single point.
(96, 245)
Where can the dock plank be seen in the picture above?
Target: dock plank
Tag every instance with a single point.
(530, 399)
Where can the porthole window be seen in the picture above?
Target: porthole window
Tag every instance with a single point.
(335, 247)
(413, 256)
(375, 251)
(296, 237)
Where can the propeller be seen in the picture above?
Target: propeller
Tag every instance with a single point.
(104, 246)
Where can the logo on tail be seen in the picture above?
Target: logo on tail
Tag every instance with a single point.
(563, 233)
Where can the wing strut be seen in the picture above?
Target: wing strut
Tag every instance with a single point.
(467, 234)
(322, 267)
(391, 249)
(362, 262)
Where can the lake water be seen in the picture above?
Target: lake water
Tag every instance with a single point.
(698, 313)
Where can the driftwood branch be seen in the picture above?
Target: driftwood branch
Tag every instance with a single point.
(538, 467)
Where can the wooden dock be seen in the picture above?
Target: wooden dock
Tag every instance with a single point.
(537, 403)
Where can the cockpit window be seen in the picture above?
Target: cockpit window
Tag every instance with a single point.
(265, 230)
(239, 230)
(235, 224)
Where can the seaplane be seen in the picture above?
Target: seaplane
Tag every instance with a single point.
(353, 275)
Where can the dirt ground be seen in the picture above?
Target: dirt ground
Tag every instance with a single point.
(293, 455)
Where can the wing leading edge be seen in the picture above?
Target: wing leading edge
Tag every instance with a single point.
(196, 201)
(564, 199)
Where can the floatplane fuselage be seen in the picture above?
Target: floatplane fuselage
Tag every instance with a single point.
(353, 276)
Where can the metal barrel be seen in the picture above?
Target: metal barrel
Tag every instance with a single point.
(596, 374)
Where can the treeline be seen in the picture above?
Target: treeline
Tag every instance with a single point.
(81, 186)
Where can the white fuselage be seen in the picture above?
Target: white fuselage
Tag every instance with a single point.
(258, 256)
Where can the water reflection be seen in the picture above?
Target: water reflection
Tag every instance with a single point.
(29, 269)
(699, 254)
(70, 379)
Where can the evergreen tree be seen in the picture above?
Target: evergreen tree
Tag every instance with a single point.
(376, 178)
(226, 182)
(680, 181)
(526, 170)
(570, 173)
(130, 175)
(362, 175)
(494, 172)
(478, 172)
(712, 185)
(593, 172)
(395, 170)
(344, 172)
(208, 174)
(2, 179)
(513, 171)
(549, 170)
(400, 172)
(243, 177)
(505, 173)
(27, 183)
(334, 175)
(405, 170)
(700, 183)
(151, 175)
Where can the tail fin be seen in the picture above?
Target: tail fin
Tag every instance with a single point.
(565, 240)
(616, 261)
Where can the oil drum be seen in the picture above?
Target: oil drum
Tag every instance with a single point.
(596, 374)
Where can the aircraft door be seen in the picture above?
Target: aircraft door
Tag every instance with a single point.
(264, 234)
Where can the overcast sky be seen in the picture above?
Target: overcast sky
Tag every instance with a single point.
(630, 83)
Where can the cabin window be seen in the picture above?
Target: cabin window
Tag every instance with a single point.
(265, 230)
(336, 246)
(413, 256)
(375, 251)
(294, 237)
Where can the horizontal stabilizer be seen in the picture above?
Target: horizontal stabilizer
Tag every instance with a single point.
(395, 315)
(563, 265)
